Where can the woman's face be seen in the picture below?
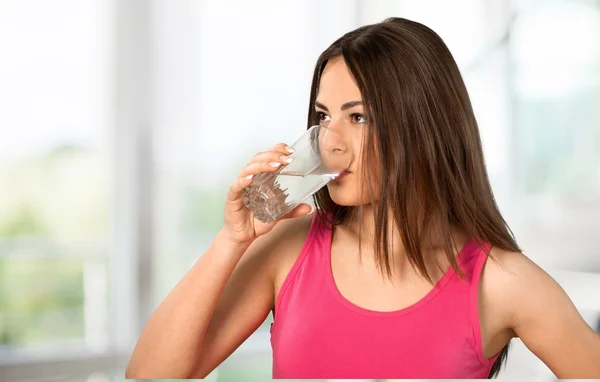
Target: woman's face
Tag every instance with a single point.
(339, 107)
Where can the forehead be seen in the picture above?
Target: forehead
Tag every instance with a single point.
(337, 85)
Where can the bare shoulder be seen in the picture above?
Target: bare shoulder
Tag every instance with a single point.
(517, 290)
(496, 286)
(295, 228)
(279, 246)
(508, 275)
(285, 246)
(509, 281)
(281, 239)
(511, 274)
(520, 297)
(509, 271)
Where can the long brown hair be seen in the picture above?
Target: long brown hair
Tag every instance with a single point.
(423, 138)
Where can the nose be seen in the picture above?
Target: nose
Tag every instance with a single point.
(336, 124)
(332, 141)
(334, 151)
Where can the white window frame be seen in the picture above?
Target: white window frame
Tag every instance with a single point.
(130, 251)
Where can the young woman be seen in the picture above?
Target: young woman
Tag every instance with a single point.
(405, 270)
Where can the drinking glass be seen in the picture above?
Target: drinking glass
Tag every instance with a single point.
(320, 155)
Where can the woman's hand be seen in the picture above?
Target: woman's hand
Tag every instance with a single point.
(240, 226)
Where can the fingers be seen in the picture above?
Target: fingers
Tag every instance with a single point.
(268, 161)
(235, 190)
(271, 157)
(273, 153)
(282, 148)
(255, 168)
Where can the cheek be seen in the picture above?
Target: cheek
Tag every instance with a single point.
(358, 152)
(368, 179)
(368, 168)
(353, 190)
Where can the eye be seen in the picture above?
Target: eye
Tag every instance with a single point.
(358, 118)
(322, 117)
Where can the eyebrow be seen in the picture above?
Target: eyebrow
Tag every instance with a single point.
(345, 106)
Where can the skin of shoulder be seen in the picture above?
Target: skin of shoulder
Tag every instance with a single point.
(288, 246)
(519, 299)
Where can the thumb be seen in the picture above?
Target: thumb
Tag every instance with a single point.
(301, 210)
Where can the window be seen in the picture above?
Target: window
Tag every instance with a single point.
(55, 175)
(557, 94)
(556, 91)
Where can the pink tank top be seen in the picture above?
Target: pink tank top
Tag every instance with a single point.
(317, 333)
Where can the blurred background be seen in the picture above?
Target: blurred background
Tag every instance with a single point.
(122, 123)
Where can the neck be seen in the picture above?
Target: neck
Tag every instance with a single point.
(364, 227)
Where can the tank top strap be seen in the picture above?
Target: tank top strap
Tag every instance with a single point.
(471, 263)
(310, 265)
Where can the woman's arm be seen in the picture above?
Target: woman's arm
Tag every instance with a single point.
(170, 345)
(539, 312)
(226, 295)
(217, 305)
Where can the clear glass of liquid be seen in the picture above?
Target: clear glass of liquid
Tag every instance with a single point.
(320, 155)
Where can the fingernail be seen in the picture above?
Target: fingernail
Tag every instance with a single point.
(286, 159)
(274, 164)
(289, 149)
(312, 209)
(248, 177)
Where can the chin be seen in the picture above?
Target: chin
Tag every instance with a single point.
(343, 195)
